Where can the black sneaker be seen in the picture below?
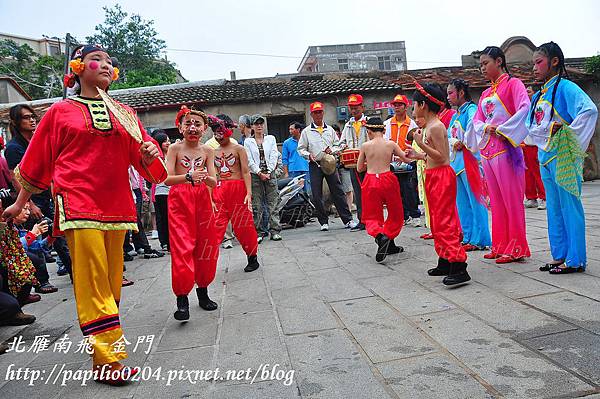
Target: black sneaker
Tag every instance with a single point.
(183, 308)
(62, 271)
(127, 257)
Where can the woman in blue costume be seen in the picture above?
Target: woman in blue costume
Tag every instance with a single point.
(472, 210)
(561, 123)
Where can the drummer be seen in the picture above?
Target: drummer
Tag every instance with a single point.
(317, 141)
(396, 129)
(353, 136)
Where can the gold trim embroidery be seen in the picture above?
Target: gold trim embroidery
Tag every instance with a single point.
(25, 184)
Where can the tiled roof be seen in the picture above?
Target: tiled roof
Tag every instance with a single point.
(473, 76)
(293, 86)
(249, 90)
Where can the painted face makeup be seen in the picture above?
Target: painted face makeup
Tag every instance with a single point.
(94, 65)
(452, 95)
(541, 67)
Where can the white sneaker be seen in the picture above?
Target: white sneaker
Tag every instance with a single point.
(541, 205)
(154, 234)
(325, 227)
(530, 203)
(133, 252)
(408, 221)
(227, 244)
(416, 222)
(260, 239)
(351, 224)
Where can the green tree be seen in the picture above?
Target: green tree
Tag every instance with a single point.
(136, 44)
(592, 65)
(39, 76)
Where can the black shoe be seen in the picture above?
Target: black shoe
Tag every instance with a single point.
(442, 269)
(252, 264)
(153, 254)
(204, 301)
(458, 274)
(394, 249)
(358, 227)
(383, 243)
(183, 308)
(62, 271)
(127, 257)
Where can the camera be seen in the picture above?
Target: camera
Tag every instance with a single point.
(48, 222)
(7, 198)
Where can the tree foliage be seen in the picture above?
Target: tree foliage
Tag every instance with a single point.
(39, 76)
(592, 65)
(136, 44)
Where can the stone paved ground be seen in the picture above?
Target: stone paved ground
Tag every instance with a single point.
(349, 327)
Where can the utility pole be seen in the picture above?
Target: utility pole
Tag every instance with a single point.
(67, 54)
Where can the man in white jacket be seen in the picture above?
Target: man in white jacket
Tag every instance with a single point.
(316, 140)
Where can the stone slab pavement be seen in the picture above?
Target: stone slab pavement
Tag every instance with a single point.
(321, 319)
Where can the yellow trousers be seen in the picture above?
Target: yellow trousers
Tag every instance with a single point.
(97, 258)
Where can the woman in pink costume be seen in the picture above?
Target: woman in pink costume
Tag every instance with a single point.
(497, 130)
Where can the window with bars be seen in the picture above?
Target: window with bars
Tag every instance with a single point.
(342, 64)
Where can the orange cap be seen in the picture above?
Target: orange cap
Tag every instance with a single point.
(355, 99)
(400, 98)
(316, 106)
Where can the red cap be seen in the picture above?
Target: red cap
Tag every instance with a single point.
(400, 98)
(316, 106)
(355, 99)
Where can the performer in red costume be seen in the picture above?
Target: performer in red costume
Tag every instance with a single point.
(380, 187)
(194, 247)
(233, 192)
(440, 186)
(84, 152)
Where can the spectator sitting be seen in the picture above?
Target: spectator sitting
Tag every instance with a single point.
(16, 269)
(33, 245)
(11, 313)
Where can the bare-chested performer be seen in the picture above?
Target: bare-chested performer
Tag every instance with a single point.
(232, 195)
(440, 186)
(380, 187)
(194, 247)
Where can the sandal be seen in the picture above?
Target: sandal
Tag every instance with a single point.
(562, 269)
(126, 283)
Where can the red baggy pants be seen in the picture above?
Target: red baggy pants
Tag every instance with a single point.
(378, 190)
(192, 238)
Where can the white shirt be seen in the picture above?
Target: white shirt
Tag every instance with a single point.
(270, 149)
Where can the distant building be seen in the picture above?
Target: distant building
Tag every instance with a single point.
(361, 57)
(45, 46)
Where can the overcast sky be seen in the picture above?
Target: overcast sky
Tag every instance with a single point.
(436, 32)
